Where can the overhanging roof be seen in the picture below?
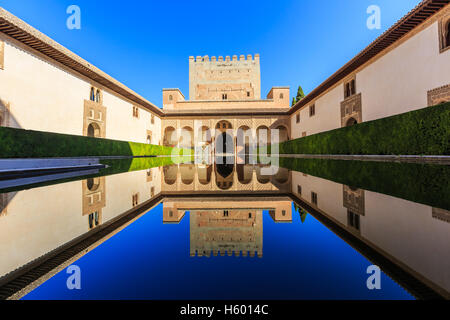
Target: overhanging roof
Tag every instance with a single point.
(24, 33)
(414, 18)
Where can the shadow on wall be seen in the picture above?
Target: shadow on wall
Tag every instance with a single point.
(7, 119)
(5, 199)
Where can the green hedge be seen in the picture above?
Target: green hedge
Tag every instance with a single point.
(19, 143)
(421, 183)
(421, 132)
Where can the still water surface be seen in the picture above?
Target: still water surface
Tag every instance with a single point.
(151, 229)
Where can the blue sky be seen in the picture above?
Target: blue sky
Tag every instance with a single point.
(146, 44)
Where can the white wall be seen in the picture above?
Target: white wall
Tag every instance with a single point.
(404, 229)
(327, 117)
(27, 234)
(397, 82)
(45, 96)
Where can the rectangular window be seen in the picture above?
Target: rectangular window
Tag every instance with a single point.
(349, 88)
(353, 220)
(312, 110)
(135, 199)
(297, 118)
(135, 112)
(100, 116)
(224, 96)
(153, 119)
(299, 190)
(248, 94)
(314, 198)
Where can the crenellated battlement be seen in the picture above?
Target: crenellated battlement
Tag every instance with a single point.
(224, 78)
(235, 58)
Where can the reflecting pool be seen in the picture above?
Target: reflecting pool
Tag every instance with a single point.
(155, 228)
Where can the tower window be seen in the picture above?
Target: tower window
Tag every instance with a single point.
(170, 98)
(224, 96)
(281, 96)
(297, 118)
(299, 190)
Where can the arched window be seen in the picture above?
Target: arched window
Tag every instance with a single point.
(281, 96)
(149, 139)
(97, 96)
(92, 96)
(170, 98)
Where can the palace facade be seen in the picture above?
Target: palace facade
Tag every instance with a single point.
(45, 87)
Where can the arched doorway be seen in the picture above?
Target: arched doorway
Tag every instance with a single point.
(244, 144)
(262, 136)
(186, 138)
(170, 137)
(224, 175)
(204, 174)
(283, 134)
(224, 144)
(187, 173)
(244, 173)
(351, 122)
(93, 130)
(170, 174)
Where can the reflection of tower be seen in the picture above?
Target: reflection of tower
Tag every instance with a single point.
(171, 214)
(354, 202)
(282, 212)
(226, 231)
(94, 199)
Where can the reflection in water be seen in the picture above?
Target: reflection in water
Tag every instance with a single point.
(225, 206)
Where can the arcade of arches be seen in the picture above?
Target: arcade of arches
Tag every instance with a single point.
(224, 137)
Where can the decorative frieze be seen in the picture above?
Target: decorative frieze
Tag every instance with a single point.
(94, 119)
(439, 95)
(351, 110)
(354, 200)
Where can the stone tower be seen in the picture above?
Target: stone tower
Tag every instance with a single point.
(224, 79)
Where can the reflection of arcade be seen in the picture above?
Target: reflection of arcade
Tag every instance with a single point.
(226, 225)
(223, 177)
(392, 233)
